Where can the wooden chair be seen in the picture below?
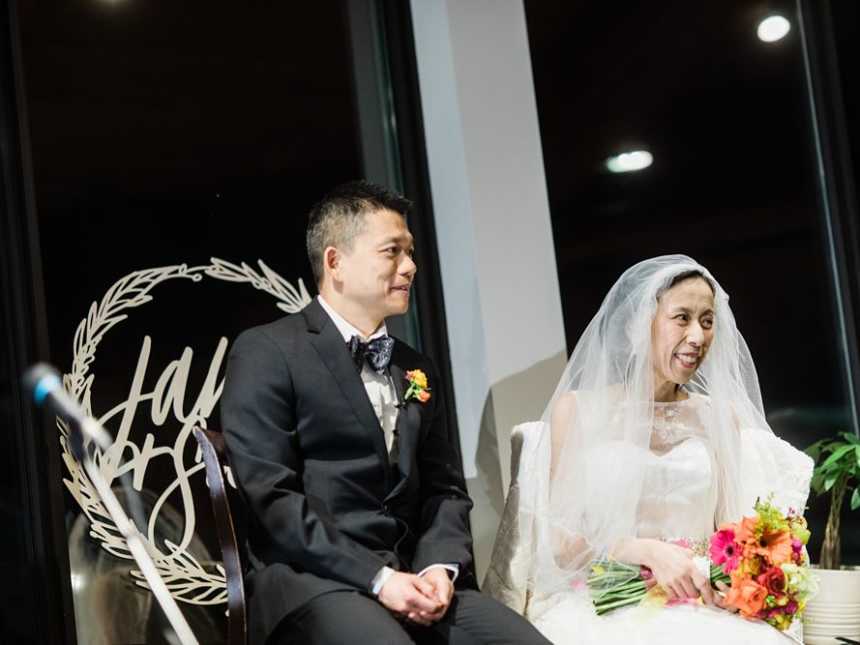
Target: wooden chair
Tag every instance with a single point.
(215, 458)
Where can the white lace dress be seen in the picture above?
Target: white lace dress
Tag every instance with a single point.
(681, 502)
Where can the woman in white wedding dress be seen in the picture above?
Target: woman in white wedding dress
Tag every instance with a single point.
(656, 433)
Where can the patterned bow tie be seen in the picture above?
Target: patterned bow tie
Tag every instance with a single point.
(377, 352)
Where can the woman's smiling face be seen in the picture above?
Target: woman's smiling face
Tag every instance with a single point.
(682, 330)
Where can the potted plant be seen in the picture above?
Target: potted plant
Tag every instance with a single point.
(835, 611)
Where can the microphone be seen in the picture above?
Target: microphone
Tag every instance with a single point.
(47, 388)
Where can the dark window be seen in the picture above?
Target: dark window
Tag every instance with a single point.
(168, 133)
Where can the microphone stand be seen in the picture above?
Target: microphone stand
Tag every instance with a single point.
(137, 544)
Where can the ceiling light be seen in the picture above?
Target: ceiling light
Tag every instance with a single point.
(773, 28)
(630, 161)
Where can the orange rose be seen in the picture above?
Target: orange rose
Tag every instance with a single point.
(738, 577)
(746, 595)
(423, 396)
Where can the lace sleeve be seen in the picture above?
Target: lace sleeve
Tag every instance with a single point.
(771, 465)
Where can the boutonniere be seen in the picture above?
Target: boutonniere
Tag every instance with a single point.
(417, 387)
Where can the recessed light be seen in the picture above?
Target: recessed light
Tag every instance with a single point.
(630, 161)
(773, 28)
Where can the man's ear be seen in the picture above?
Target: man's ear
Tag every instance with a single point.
(332, 262)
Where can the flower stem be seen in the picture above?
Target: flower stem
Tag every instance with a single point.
(622, 602)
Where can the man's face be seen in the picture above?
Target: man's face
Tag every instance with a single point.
(376, 274)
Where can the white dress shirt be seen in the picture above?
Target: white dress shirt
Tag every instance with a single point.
(383, 396)
(380, 388)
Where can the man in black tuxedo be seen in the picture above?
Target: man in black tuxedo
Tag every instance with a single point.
(336, 432)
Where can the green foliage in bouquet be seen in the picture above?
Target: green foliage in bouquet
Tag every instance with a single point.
(837, 471)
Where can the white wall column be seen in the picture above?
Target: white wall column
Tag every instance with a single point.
(494, 232)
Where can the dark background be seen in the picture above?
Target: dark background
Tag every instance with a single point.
(167, 133)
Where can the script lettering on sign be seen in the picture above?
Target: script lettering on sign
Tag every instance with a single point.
(171, 413)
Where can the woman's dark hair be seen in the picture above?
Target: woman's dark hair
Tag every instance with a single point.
(686, 275)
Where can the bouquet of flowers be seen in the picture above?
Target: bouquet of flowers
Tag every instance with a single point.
(762, 559)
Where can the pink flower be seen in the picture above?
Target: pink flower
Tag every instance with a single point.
(790, 608)
(797, 551)
(776, 611)
(645, 573)
(724, 550)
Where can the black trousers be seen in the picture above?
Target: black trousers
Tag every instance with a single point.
(343, 617)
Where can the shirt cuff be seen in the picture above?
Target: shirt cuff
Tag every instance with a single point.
(380, 579)
(453, 569)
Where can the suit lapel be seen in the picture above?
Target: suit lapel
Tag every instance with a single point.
(398, 375)
(408, 426)
(332, 349)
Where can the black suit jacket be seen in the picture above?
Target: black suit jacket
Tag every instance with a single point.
(326, 510)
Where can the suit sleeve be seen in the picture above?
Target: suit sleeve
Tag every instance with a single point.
(258, 415)
(445, 537)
